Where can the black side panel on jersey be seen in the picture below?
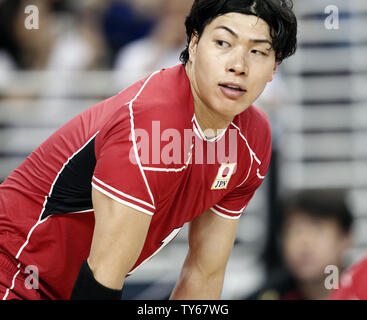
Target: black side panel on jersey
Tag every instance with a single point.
(72, 191)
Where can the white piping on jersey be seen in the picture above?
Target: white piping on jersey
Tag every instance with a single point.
(164, 242)
(39, 221)
(171, 170)
(121, 193)
(122, 201)
(259, 175)
(196, 131)
(12, 283)
(134, 137)
(199, 132)
(230, 211)
(194, 127)
(83, 211)
(252, 153)
(248, 146)
(225, 216)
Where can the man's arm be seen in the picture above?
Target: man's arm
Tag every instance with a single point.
(119, 236)
(211, 240)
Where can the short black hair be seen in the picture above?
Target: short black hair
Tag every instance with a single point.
(330, 204)
(277, 14)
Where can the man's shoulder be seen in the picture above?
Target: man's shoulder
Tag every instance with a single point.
(357, 272)
(254, 117)
(164, 96)
(353, 282)
(161, 101)
(254, 125)
(165, 86)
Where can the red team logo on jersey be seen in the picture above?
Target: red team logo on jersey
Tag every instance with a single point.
(224, 175)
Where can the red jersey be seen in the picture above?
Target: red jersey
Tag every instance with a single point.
(353, 283)
(142, 148)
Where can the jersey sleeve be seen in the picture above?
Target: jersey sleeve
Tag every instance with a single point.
(234, 203)
(118, 173)
(353, 283)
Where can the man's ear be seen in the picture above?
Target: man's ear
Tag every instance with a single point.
(276, 65)
(193, 46)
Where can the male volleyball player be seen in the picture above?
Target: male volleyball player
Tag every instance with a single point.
(96, 200)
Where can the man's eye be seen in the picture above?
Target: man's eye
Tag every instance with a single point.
(258, 52)
(222, 43)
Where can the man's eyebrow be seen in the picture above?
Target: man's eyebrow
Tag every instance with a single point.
(229, 30)
(236, 35)
(261, 41)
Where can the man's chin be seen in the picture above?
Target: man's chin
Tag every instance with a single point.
(232, 111)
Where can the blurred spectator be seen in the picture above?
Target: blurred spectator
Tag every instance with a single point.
(79, 45)
(316, 233)
(68, 39)
(127, 20)
(161, 49)
(63, 41)
(7, 44)
(27, 48)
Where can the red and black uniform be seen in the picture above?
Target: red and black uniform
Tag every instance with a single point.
(142, 148)
(353, 283)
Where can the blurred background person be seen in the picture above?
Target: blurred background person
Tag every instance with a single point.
(80, 44)
(160, 49)
(29, 49)
(66, 31)
(68, 38)
(124, 21)
(316, 233)
(78, 47)
(73, 34)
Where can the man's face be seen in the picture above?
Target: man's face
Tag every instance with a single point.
(232, 63)
(310, 244)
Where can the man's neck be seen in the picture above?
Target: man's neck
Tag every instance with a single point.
(211, 123)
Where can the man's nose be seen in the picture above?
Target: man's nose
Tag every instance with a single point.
(238, 64)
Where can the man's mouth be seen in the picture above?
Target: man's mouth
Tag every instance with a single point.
(233, 87)
(232, 91)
